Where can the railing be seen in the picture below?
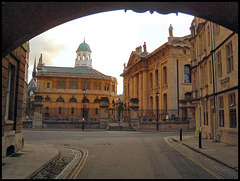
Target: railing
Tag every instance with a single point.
(69, 114)
(93, 114)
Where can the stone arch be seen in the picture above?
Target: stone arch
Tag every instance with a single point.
(58, 13)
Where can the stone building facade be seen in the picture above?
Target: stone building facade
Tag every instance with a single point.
(14, 86)
(166, 70)
(214, 72)
(74, 93)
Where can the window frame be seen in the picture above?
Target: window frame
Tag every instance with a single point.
(61, 84)
(219, 64)
(229, 57)
(73, 85)
(221, 111)
(232, 110)
(187, 74)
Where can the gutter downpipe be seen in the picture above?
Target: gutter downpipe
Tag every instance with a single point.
(214, 81)
(198, 94)
(177, 88)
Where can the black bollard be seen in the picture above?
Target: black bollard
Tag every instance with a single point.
(181, 134)
(83, 124)
(200, 139)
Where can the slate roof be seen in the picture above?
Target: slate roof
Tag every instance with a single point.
(68, 71)
(32, 86)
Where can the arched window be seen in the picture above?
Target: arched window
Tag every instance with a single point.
(151, 80)
(164, 75)
(60, 99)
(151, 103)
(187, 74)
(156, 77)
(97, 100)
(85, 99)
(73, 100)
(165, 103)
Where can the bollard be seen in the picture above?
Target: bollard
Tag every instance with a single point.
(181, 134)
(200, 139)
(83, 124)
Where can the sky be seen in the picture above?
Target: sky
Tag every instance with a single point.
(112, 36)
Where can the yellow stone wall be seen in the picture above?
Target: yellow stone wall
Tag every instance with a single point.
(144, 76)
(203, 59)
(53, 92)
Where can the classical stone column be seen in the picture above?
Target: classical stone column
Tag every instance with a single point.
(37, 119)
(135, 85)
(134, 119)
(145, 93)
(131, 87)
(140, 85)
(104, 112)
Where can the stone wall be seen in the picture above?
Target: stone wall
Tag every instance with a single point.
(13, 97)
(166, 126)
(70, 125)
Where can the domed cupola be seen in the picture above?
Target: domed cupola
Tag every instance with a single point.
(83, 55)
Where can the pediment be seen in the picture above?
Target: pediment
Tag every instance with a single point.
(134, 57)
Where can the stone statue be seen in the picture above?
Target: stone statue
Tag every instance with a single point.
(170, 30)
(40, 59)
(144, 47)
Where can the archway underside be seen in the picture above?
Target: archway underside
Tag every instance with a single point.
(23, 21)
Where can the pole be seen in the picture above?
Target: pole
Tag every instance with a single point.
(214, 81)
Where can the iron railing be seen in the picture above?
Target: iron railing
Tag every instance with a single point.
(93, 114)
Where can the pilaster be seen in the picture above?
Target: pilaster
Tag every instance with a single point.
(134, 119)
(38, 104)
(104, 112)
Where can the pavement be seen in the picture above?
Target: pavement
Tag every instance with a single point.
(32, 158)
(223, 153)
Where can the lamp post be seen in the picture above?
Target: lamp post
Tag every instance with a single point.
(84, 91)
(157, 97)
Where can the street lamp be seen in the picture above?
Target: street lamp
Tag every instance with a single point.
(84, 91)
(157, 97)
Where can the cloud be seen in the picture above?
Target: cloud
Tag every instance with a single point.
(45, 46)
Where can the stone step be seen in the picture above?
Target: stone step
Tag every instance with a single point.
(120, 128)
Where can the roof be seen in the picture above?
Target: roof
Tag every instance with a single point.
(32, 83)
(81, 71)
(32, 86)
(84, 47)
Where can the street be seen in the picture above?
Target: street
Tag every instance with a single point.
(124, 154)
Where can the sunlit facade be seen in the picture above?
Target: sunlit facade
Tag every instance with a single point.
(166, 70)
(214, 74)
(73, 93)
